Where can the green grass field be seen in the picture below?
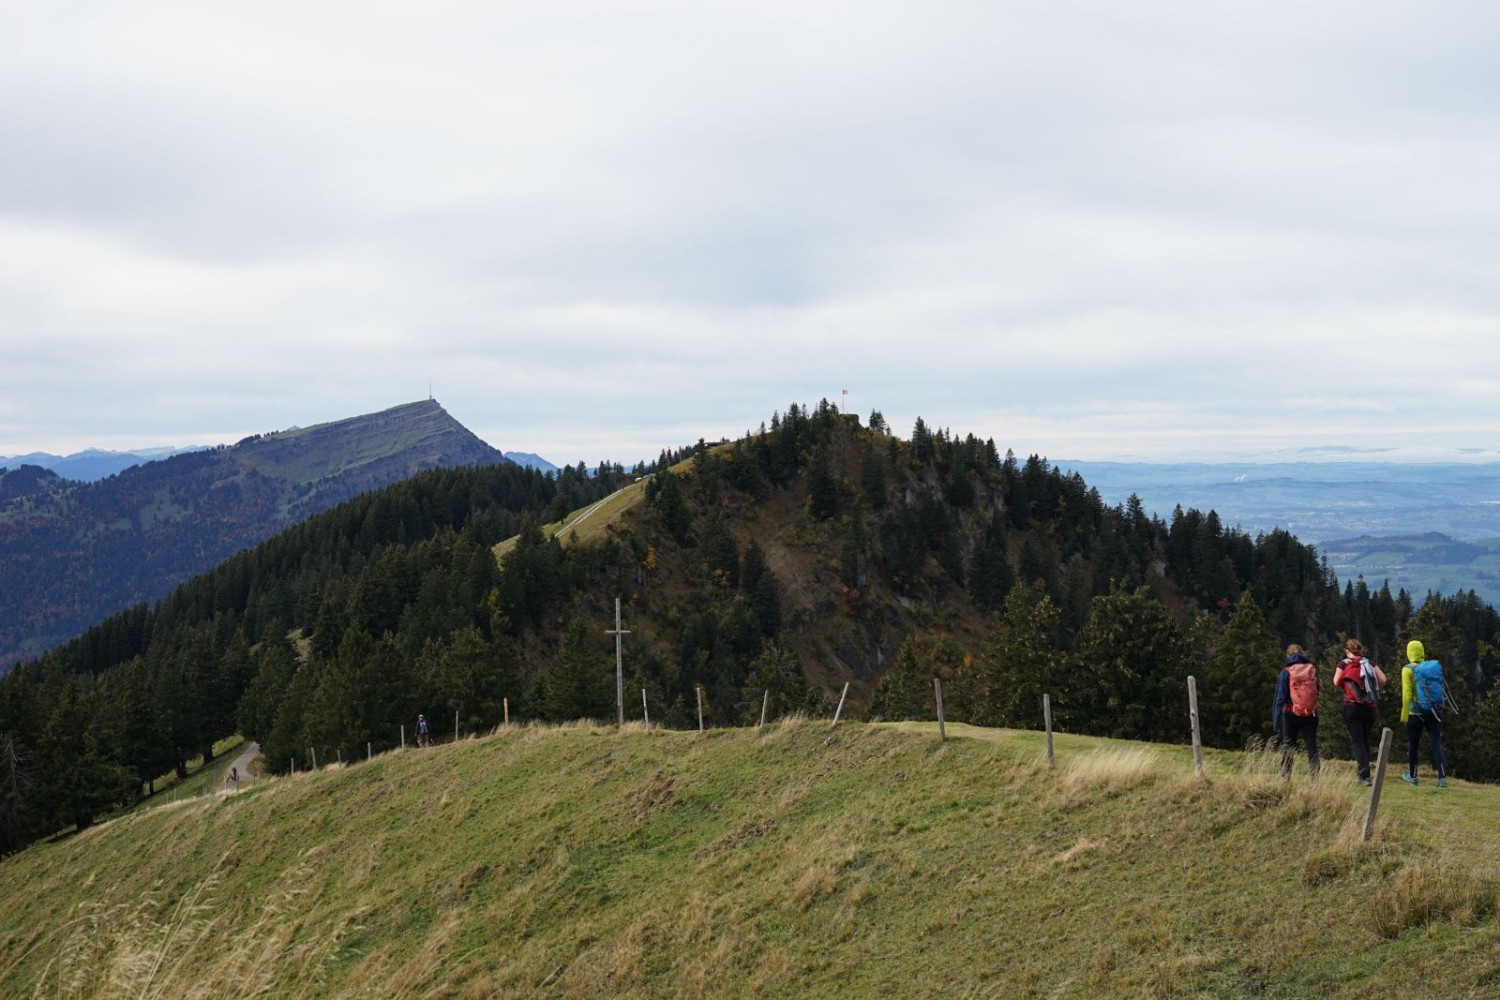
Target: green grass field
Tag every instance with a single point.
(796, 861)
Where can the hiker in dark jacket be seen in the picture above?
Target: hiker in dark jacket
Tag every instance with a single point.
(1359, 681)
(1423, 695)
(1294, 710)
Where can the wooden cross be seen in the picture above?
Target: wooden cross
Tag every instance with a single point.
(619, 633)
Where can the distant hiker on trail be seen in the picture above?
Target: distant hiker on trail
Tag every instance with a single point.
(1294, 710)
(1423, 694)
(234, 778)
(1359, 680)
(423, 740)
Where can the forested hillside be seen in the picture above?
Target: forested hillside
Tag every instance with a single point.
(72, 553)
(812, 552)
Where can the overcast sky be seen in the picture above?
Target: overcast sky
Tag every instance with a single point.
(1089, 230)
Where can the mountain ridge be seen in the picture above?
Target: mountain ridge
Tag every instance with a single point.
(92, 464)
(73, 553)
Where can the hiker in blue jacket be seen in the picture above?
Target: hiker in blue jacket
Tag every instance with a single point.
(1294, 710)
(1423, 693)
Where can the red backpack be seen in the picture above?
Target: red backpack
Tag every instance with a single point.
(1303, 680)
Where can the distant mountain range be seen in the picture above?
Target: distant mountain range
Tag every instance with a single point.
(1422, 526)
(73, 552)
(91, 464)
(527, 460)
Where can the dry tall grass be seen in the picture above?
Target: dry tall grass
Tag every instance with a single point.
(582, 861)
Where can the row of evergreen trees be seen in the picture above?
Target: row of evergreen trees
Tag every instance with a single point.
(326, 637)
(1125, 676)
(814, 535)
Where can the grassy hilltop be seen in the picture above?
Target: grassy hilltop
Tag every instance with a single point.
(796, 861)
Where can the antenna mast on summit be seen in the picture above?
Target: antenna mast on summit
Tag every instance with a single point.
(429, 389)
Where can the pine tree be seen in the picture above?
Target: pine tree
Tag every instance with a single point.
(1020, 665)
(823, 493)
(904, 691)
(144, 727)
(286, 743)
(777, 672)
(767, 603)
(577, 685)
(16, 774)
(472, 676)
(990, 577)
(1237, 682)
(872, 476)
(275, 664)
(1128, 679)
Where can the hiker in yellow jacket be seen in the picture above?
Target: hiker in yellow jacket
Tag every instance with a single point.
(1423, 694)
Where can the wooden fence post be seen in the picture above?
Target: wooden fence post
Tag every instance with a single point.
(403, 736)
(1377, 782)
(1047, 716)
(1193, 714)
(369, 753)
(937, 687)
(699, 691)
(765, 703)
(455, 725)
(645, 709)
(314, 752)
(840, 710)
(507, 712)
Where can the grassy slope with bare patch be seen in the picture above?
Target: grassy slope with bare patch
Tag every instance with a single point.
(873, 861)
(586, 524)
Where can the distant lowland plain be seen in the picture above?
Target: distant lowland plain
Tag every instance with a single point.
(1420, 526)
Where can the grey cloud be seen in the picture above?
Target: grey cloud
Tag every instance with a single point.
(664, 218)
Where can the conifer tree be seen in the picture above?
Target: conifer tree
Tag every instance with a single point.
(15, 794)
(872, 476)
(767, 603)
(1128, 679)
(823, 500)
(143, 726)
(286, 743)
(904, 691)
(80, 774)
(990, 577)
(1237, 682)
(776, 671)
(578, 685)
(1020, 664)
(472, 676)
(275, 663)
